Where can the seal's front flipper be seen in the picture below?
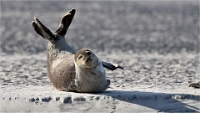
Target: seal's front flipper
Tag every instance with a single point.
(195, 85)
(107, 85)
(111, 66)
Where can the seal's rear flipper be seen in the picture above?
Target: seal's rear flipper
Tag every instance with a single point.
(65, 23)
(111, 66)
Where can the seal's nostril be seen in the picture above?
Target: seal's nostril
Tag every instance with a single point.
(88, 52)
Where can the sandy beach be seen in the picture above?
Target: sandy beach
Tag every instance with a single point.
(157, 43)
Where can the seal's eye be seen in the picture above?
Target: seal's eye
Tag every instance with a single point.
(80, 57)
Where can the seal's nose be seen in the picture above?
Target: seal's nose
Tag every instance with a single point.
(87, 52)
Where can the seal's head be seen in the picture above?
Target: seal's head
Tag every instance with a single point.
(90, 74)
(86, 59)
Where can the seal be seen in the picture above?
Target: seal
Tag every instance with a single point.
(90, 74)
(61, 60)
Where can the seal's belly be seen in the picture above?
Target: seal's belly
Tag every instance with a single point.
(94, 82)
(61, 73)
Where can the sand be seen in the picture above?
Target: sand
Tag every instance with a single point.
(159, 87)
(156, 43)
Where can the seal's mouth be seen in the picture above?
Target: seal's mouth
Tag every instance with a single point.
(88, 60)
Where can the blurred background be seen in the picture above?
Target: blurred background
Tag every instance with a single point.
(104, 26)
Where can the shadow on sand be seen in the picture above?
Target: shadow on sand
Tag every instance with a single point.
(162, 102)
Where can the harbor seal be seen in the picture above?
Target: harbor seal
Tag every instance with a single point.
(90, 74)
(60, 57)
